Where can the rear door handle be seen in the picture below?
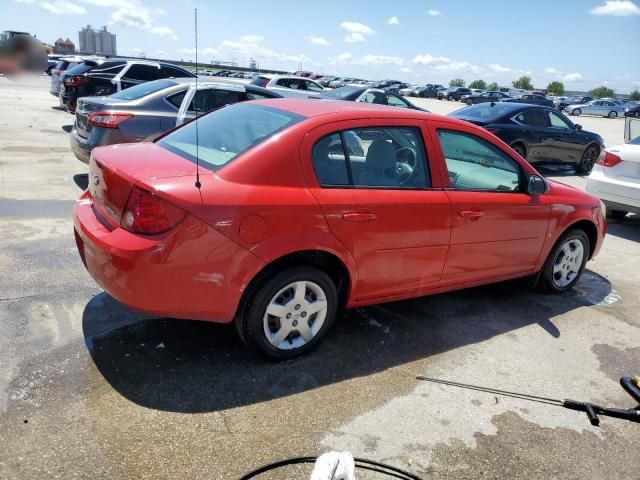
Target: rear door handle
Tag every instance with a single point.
(360, 217)
(471, 214)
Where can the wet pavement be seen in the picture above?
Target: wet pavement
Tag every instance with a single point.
(91, 389)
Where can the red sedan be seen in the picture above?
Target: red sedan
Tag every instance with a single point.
(305, 207)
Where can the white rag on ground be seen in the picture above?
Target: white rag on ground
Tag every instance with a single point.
(334, 466)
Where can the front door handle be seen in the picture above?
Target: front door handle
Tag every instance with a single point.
(472, 214)
(360, 217)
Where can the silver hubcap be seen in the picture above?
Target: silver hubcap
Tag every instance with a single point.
(568, 262)
(295, 315)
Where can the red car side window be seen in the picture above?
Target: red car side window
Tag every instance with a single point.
(384, 157)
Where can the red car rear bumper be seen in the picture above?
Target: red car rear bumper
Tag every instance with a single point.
(191, 272)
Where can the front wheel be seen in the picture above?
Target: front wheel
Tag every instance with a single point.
(565, 264)
(449, 98)
(576, 112)
(613, 114)
(520, 149)
(288, 314)
(588, 160)
(469, 102)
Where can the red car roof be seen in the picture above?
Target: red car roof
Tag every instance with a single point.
(316, 107)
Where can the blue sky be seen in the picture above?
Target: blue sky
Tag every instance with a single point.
(583, 43)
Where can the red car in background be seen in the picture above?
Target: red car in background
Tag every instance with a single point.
(306, 207)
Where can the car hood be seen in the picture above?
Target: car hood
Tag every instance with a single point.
(560, 189)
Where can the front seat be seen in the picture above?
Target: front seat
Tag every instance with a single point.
(379, 165)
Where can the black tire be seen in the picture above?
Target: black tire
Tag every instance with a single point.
(469, 102)
(588, 160)
(249, 320)
(520, 149)
(576, 112)
(546, 281)
(613, 114)
(616, 214)
(637, 114)
(449, 98)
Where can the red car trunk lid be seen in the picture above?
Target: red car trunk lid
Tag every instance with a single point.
(114, 170)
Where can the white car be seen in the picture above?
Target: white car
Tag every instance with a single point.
(288, 86)
(615, 177)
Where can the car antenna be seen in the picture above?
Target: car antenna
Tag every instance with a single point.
(198, 184)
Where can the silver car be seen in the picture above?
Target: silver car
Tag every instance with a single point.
(288, 86)
(600, 108)
(57, 72)
(145, 111)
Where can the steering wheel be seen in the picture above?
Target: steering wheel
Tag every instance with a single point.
(405, 167)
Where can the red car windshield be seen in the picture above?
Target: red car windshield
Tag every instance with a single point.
(227, 133)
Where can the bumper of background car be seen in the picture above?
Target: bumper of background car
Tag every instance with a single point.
(616, 194)
(190, 272)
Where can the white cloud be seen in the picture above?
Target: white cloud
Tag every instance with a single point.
(499, 68)
(255, 46)
(552, 71)
(160, 52)
(208, 51)
(458, 67)
(616, 8)
(369, 60)
(343, 58)
(356, 27)
(434, 13)
(428, 59)
(58, 7)
(393, 21)
(406, 70)
(354, 38)
(572, 77)
(318, 40)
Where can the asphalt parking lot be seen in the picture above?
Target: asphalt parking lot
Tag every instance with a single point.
(91, 389)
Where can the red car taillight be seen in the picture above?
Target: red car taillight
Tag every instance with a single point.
(107, 119)
(607, 159)
(148, 214)
(76, 81)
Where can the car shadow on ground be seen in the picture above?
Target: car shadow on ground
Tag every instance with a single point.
(81, 180)
(560, 170)
(627, 228)
(190, 366)
(67, 128)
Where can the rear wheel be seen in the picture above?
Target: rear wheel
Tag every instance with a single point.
(613, 114)
(469, 102)
(565, 264)
(576, 111)
(616, 214)
(588, 159)
(449, 98)
(288, 314)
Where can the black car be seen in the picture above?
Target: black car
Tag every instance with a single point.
(538, 134)
(573, 101)
(484, 97)
(453, 93)
(533, 99)
(368, 95)
(632, 109)
(104, 77)
(429, 91)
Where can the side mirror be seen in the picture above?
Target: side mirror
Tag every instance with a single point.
(536, 185)
(578, 127)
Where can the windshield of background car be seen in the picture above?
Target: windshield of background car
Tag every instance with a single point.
(142, 90)
(340, 93)
(227, 133)
(485, 112)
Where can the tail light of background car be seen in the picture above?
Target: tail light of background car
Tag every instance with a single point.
(108, 119)
(76, 81)
(147, 214)
(607, 159)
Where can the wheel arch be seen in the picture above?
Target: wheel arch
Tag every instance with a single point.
(590, 229)
(326, 261)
